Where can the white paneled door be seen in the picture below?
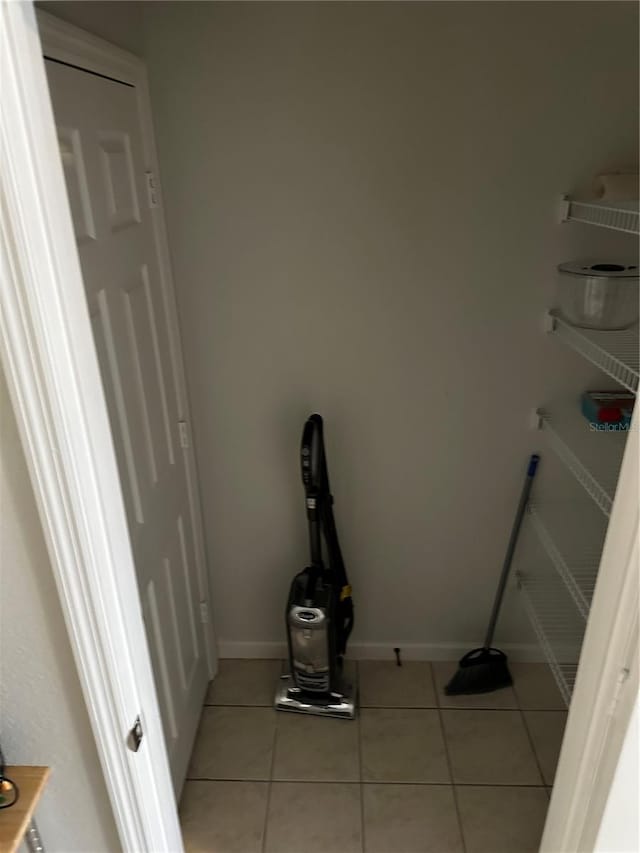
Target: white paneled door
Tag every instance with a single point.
(99, 132)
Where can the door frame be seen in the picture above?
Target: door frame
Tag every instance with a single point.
(53, 376)
(607, 682)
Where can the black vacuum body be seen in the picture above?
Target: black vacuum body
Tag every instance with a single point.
(311, 614)
(319, 612)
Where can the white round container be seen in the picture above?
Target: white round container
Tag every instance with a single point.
(598, 294)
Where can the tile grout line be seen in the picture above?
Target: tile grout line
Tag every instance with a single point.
(268, 805)
(359, 722)
(532, 745)
(530, 736)
(371, 782)
(433, 707)
(449, 765)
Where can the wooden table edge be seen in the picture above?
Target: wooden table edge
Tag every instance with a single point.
(15, 820)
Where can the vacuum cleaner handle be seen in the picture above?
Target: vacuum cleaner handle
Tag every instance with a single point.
(315, 477)
(311, 453)
(511, 547)
(311, 450)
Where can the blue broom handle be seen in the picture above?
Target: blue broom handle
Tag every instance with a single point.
(511, 547)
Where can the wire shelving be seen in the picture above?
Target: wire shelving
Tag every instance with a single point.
(621, 216)
(547, 626)
(557, 570)
(558, 623)
(593, 457)
(615, 353)
(572, 536)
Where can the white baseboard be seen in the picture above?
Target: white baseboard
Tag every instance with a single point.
(381, 651)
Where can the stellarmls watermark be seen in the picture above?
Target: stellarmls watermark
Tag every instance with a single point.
(621, 427)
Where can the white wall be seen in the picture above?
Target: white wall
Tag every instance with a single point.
(361, 202)
(43, 718)
(117, 21)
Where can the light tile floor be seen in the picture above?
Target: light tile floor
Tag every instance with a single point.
(417, 772)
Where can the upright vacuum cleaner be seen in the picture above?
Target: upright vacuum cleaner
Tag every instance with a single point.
(319, 614)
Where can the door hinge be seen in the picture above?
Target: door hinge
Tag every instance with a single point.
(152, 194)
(134, 738)
(183, 429)
(204, 612)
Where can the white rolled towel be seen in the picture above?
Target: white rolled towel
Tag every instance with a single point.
(617, 186)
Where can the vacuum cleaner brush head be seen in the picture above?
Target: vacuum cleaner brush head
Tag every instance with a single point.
(480, 671)
(290, 698)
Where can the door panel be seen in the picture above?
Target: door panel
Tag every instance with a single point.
(119, 414)
(101, 151)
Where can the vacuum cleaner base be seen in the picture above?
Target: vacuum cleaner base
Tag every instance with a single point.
(290, 698)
